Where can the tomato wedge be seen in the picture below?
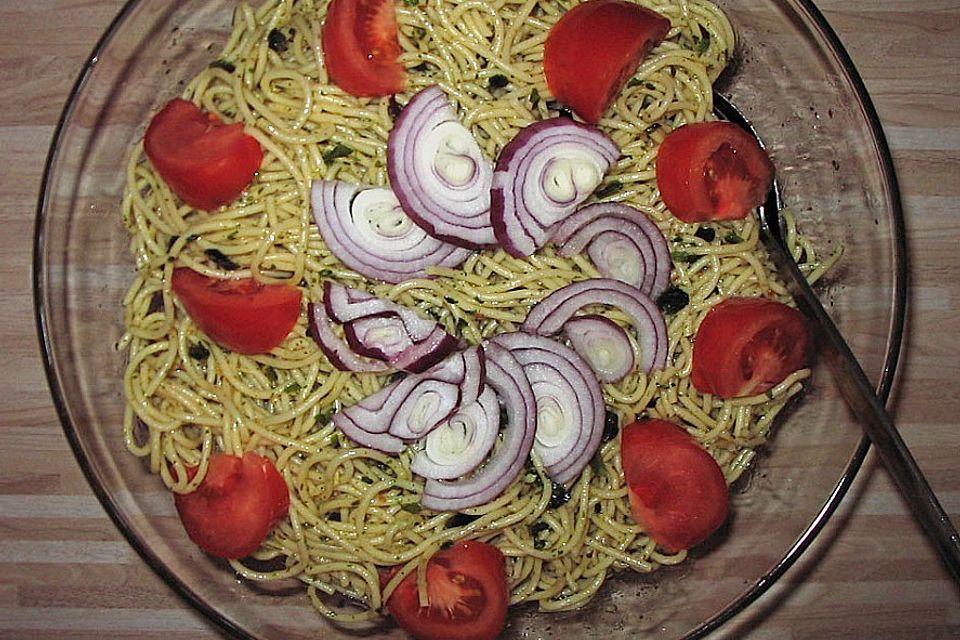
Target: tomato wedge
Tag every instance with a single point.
(712, 171)
(468, 595)
(677, 490)
(746, 346)
(361, 47)
(236, 505)
(243, 315)
(592, 51)
(204, 161)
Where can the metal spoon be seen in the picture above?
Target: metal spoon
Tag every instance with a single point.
(852, 382)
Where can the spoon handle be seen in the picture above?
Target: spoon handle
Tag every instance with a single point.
(862, 400)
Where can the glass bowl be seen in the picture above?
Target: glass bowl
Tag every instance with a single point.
(791, 78)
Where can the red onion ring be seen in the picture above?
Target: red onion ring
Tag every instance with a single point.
(570, 409)
(369, 232)
(460, 444)
(505, 375)
(623, 242)
(412, 407)
(549, 315)
(384, 330)
(338, 352)
(541, 176)
(603, 344)
(439, 173)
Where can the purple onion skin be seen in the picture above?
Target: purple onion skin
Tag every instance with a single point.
(506, 376)
(548, 316)
(436, 210)
(514, 220)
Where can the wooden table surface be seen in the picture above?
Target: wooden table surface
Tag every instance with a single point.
(66, 572)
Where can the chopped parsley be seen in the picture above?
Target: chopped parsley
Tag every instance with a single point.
(609, 189)
(340, 150)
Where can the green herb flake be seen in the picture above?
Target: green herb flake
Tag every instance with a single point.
(410, 3)
(226, 65)
(634, 82)
(703, 43)
(609, 189)
(534, 97)
(340, 150)
(293, 387)
(732, 237)
(596, 465)
(411, 507)
(684, 256)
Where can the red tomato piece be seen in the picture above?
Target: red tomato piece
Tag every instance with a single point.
(204, 161)
(236, 505)
(712, 171)
(677, 490)
(468, 595)
(243, 315)
(361, 47)
(746, 346)
(592, 51)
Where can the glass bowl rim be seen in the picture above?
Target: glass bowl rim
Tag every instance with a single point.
(884, 385)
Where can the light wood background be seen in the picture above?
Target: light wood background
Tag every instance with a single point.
(66, 572)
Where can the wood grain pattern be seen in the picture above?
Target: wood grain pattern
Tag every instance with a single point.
(871, 574)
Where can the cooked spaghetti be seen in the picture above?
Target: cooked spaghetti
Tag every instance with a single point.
(355, 509)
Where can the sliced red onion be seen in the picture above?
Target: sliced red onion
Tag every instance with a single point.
(439, 173)
(434, 403)
(505, 375)
(550, 314)
(426, 353)
(382, 337)
(603, 344)
(338, 352)
(370, 233)
(541, 176)
(460, 444)
(570, 410)
(623, 242)
(412, 407)
(384, 330)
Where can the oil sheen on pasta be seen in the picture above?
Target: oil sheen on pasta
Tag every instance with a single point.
(354, 509)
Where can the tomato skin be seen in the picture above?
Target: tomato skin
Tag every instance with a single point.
(236, 505)
(712, 171)
(591, 52)
(468, 592)
(361, 48)
(677, 490)
(204, 161)
(746, 346)
(243, 315)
